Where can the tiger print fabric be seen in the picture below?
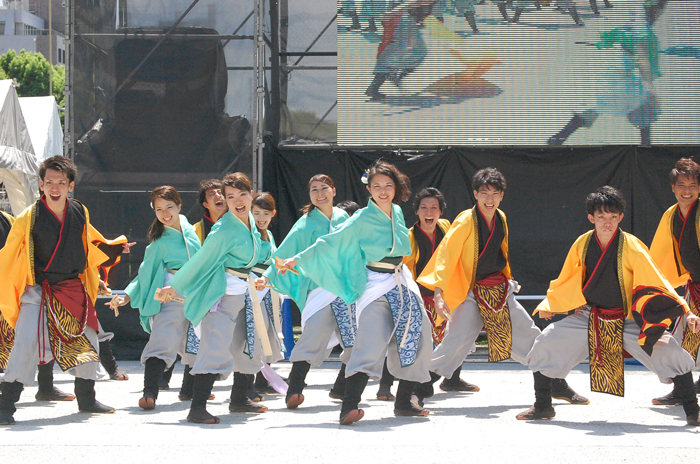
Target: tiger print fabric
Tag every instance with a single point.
(69, 345)
(438, 329)
(607, 364)
(499, 330)
(7, 341)
(691, 341)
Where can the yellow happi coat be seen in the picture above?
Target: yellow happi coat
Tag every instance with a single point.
(17, 262)
(411, 260)
(453, 265)
(666, 252)
(641, 283)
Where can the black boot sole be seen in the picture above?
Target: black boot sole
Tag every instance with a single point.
(55, 395)
(295, 401)
(352, 416)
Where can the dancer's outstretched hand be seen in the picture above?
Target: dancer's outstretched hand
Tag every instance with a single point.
(441, 307)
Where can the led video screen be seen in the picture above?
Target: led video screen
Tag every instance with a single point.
(519, 73)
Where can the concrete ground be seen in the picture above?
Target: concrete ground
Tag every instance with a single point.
(476, 426)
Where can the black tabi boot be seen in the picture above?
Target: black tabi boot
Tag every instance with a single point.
(164, 383)
(575, 123)
(645, 134)
(239, 398)
(9, 395)
(250, 391)
(697, 386)
(503, 11)
(85, 393)
(296, 384)
(538, 7)
(471, 20)
(403, 405)
(455, 383)
(594, 7)
(516, 15)
(262, 385)
(152, 374)
(543, 400)
(574, 15)
(187, 385)
(356, 26)
(201, 390)
(385, 383)
(47, 390)
(562, 391)
(425, 390)
(338, 390)
(109, 363)
(684, 388)
(354, 386)
(373, 89)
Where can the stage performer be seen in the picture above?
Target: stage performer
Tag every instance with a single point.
(629, 90)
(362, 262)
(326, 319)
(474, 288)
(402, 48)
(47, 390)
(675, 250)
(172, 243)
(48, 286)
(264, 209)
(425, 237)
(220, 298)
(387, 380)
(520, 5)
(212, 201)
(621, 302)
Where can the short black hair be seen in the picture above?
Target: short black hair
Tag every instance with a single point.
(60, 164)
(489, 177)
(205, 186)
(348, 206)
(606, 199)
(430, 192)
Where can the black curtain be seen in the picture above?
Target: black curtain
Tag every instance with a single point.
(544, 199)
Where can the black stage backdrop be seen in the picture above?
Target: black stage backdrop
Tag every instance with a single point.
(544, 199)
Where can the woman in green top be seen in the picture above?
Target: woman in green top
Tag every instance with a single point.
(216, 284)
(172, 243)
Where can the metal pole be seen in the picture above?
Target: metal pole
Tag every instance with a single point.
(273, 115)
(69, 118)
(50, 51)
(259, 106)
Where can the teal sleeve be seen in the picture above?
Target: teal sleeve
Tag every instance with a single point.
(142, 289)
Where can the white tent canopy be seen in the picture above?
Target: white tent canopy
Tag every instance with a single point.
(18, 162)
(44, 124)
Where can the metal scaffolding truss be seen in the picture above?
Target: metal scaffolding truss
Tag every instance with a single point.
(269, 55)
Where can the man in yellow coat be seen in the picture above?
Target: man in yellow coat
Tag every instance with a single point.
(470, 275)
(621, 302)
(676, 250)
(49, 281)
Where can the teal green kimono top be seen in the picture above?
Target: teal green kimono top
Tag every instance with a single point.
(171, 251)
(266, 249)
(202, 280)
(309, 228)
(336, 262)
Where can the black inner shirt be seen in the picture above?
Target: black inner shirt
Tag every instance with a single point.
(601, 284)
(491, 258)
(5, 227)
(426, 248)
(687, 238)
(208, 224)
(54, 261)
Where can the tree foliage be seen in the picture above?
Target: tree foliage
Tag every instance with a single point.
(31, 70)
